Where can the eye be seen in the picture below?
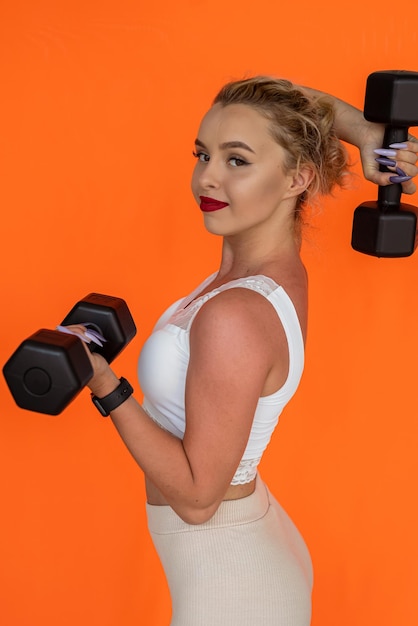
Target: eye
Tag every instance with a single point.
(237, 161)
(201, 156)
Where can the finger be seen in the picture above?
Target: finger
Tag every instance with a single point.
(409, 187)
(402, 163)
(73, 331)
(386, 161)
(406, 151)
(94, 333)
(403, 159)
(411, 144)
(400, 156)
(408, 170)
(84, 334)
(90, 334)
(384, 179)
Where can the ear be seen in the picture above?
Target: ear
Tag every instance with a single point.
(301, 179)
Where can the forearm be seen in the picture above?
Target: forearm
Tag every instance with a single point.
(351, 127)
(161, 456)
(350, 124)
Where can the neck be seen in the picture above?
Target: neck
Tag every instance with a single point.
(250, 257)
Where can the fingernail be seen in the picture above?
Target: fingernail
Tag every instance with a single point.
(98, 336)
(384, 161)
(385, 152)
(400, 172)
(398, 146)
(399, 179)
(64, 329)
(93, 338)
(93, 331)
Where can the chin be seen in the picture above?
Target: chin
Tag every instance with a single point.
(214, 231)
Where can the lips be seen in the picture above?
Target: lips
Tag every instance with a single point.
(210, 204)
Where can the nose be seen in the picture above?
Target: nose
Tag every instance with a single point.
(208, 174)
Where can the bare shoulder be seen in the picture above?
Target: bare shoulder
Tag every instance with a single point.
(235, 311)
(239, 325)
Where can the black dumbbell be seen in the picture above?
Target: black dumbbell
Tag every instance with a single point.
(49, 369)
(387, 228)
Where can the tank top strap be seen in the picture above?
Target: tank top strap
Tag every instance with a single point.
(184, 315)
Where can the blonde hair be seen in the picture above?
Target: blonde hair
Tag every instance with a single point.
(301, 124)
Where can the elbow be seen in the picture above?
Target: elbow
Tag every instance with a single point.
(196, 515)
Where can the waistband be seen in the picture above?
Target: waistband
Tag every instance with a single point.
(163, 520)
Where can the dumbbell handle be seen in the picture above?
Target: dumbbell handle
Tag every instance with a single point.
(389, 196)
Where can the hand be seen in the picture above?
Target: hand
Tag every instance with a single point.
(351, 126)
(405, 159)
(103, 377)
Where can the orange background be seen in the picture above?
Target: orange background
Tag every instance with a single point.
(100, 106)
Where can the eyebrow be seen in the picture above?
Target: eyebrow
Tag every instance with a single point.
(227, 144)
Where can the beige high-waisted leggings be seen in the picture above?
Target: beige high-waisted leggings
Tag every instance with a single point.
(247, 566)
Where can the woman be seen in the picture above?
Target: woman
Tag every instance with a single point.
(222, 363)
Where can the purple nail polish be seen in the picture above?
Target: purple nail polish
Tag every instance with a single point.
(385, 152)
(400, 172)
(384, 161)
(95, 334)
(92, 331)
(68, 331)
(398, 146)
(399, 179)
(64, 329)
(93, 338)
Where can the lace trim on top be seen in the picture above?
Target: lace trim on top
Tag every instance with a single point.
(189, 308)
(246, 471)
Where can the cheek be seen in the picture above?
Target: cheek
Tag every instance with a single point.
(272, 186)
(259, 188)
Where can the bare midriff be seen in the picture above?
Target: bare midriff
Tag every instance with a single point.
(234, 492)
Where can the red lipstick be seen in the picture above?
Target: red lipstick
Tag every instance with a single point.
(210, 204)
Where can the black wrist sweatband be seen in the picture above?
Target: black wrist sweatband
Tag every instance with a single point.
(114, 399)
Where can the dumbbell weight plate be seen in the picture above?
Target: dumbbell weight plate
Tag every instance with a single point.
(110, 316)
(391, 98)
(47, 371)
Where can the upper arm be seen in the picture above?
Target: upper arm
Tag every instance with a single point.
(234, 342)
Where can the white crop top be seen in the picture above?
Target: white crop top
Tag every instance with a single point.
(164, 360)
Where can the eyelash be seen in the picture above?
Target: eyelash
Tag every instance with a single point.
(204, 158)
(199, 155)
(238, 159)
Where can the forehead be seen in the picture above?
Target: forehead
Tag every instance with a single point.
(235, 122)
